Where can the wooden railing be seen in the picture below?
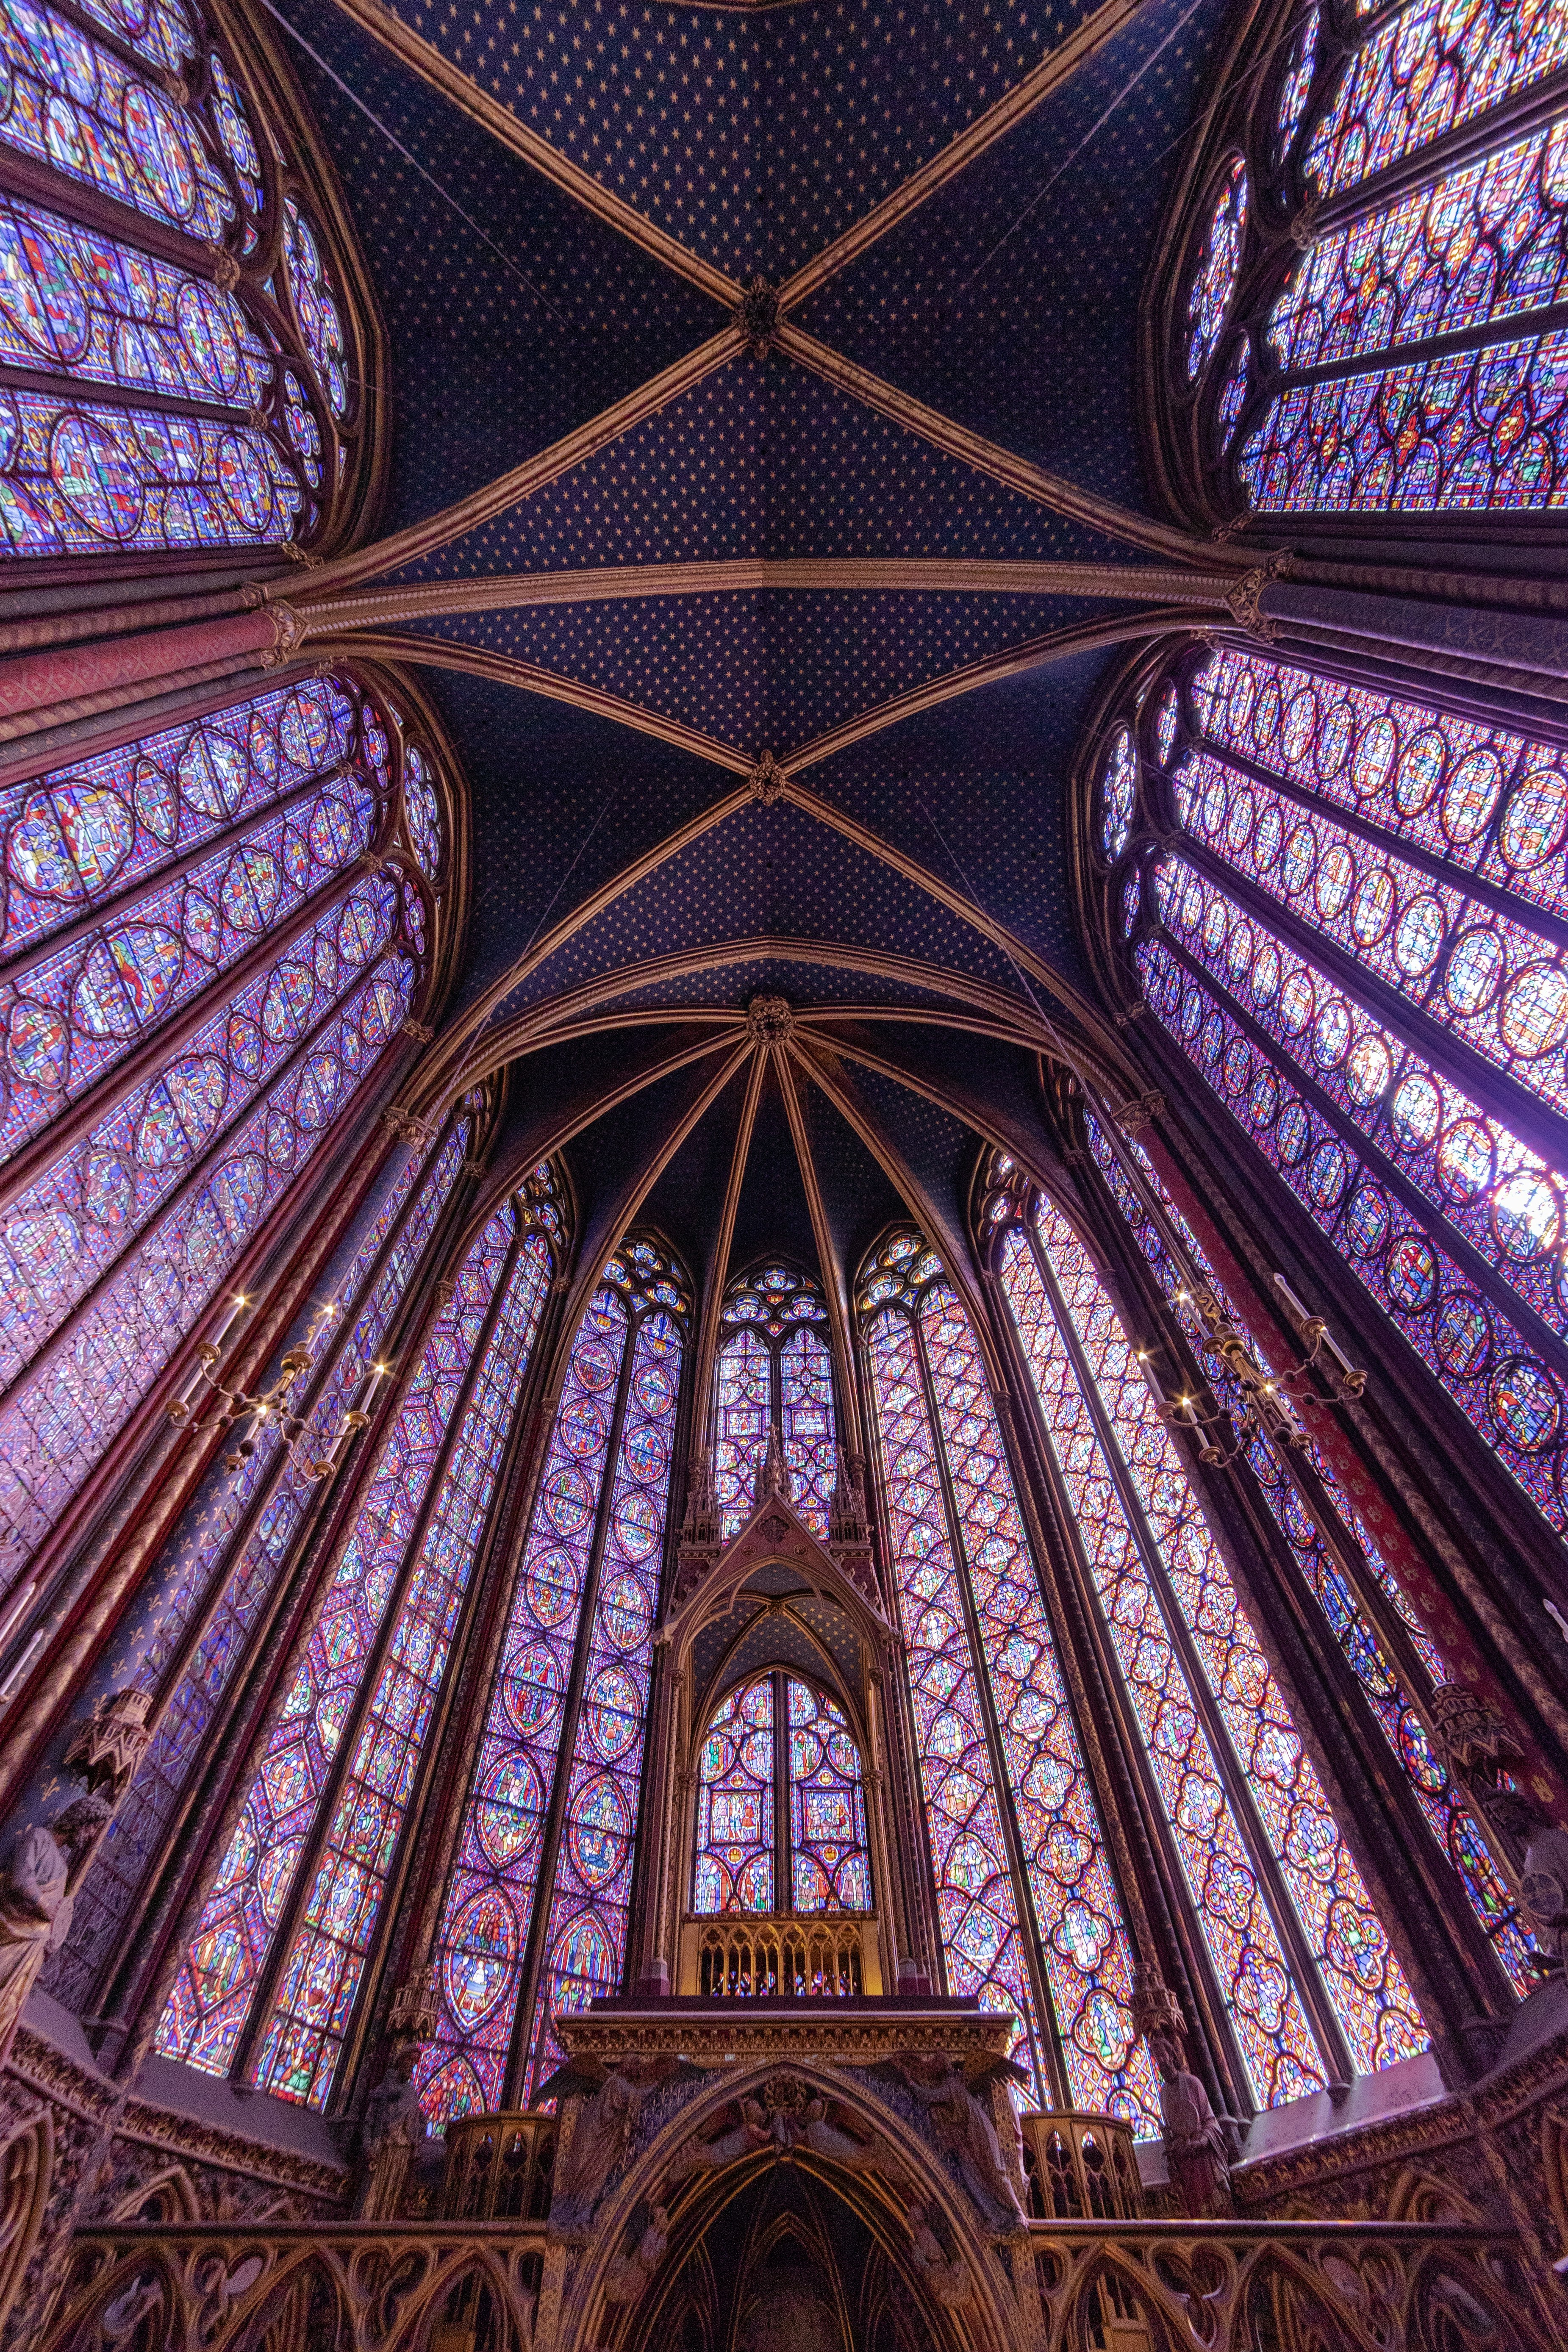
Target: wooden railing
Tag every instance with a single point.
(749, 1955)
(1104, 2286)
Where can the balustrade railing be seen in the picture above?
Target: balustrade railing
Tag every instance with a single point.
(1081, 2168)
(752, 1954)
(1290, 2286)
(1113, 2285)
(361, 2286)
(498, 2168)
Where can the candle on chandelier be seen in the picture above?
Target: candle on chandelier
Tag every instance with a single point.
(1291, 1301)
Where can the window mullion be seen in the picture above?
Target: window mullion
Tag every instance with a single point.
(1287, 1920)
(783, 1839)
(1479, 886)
(322, 1506)
(1386, 1622)
(1041, 2029)
(1499, 1094)
(531, 1980)
(343, 1755)
(1507, 327)
(1463, 1252)
(159, 1044)
(194, 1177)
(117, 904)
(1469, 141)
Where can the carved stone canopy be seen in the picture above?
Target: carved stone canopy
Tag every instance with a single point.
(1468, 1733)
(104, 1750)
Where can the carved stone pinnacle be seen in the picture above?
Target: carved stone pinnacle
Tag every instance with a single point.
(104, 1750)
(414, 2015)
(770, 1020)
(757, 316)
(1467, 1730)
(1155, 2009)
(766, 781)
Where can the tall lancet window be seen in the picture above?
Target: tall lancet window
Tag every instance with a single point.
(773, 1379)
(207, 1596)
(178, 369)
(1355, 935)
(1031, 1916)
(1375, 325)
(781, 1804)
(1324, 1555)
(209, 938)
(535, 1914)
(288, 1923)
(1307, 1976)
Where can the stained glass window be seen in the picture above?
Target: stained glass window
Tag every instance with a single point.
(372, 1663)
(1117, 791)
(199, 402)
(1213, 279)
(736, 1775)
(778, 1739)
(830, 1861)
(1405, 356)
(552, 1808)
(208, 1594)
(1001, 1766)
(198, 972)
(1354, 937)
(774, 1376)
(423, 810)
(1212, 1717)
(744, 1405)
(1319, 1549)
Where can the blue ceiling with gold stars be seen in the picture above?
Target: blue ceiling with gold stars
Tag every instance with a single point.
(890, 255)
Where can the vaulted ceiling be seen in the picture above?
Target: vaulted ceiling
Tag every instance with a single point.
(804, 335)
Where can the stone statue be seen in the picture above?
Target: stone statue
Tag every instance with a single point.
(752, 2132)
(629, 2273)
(827, 2139)
(37, 1893)
(393, 2130)
(1543, 1883)
(599, 2137)
(1195, 2142)
(968, 2134)
(949, 2281)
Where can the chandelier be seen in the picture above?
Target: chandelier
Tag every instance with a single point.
(257, 1414)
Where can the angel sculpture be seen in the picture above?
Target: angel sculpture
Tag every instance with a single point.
(966, 2132)
(949, 2281)
(827, 2139)
(629, 2273)
(743, 2138)
(601, 2134)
